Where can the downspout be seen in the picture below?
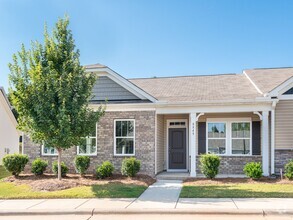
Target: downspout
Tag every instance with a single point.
(273, 119)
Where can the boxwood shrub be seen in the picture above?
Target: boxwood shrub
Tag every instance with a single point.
(253, 170)
(130, 167)
(39, 166)
(15, 163)
(82, 163)
(209, 164)
(104, 170)
(64, 168)
(289, 170)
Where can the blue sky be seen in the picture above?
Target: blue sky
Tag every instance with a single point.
(158, 37)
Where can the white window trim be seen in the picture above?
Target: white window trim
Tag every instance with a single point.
(219, 138)
(116, 154)
(228, 138)
(92, 154)
(43, 153)
(96, 152)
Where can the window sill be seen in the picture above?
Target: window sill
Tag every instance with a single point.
(90, 155)
(49, 155)
(124, 155)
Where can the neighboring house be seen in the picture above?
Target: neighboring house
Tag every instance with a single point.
(168, 122)
(9, 135)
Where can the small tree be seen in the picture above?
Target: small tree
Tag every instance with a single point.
(50, 91)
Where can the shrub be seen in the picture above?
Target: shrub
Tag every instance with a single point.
(64, 168)
(39, 166)
(289, 170)
(104, 170)
(130, 167)
(209, 164)
(253, 170)
(15, 163)
(82, 163)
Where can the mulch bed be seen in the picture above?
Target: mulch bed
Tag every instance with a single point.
(220, 181)
(49, 182)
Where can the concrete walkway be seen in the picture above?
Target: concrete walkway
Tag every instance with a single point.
(163, 194)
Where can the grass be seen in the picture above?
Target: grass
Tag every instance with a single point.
(3, 173)
(242, 190)
(110, 190)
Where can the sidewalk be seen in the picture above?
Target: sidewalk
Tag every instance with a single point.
(118, 206)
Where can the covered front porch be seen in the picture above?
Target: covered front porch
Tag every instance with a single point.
(238, 137)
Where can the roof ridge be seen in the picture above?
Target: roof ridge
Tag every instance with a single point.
(270, 68)
(159, 77)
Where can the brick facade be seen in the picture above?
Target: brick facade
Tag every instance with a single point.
(281, 158)
(144, 143)
(232, 164)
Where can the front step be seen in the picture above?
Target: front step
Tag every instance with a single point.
(172, 176)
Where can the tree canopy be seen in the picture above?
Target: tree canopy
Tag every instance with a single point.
(51, 91)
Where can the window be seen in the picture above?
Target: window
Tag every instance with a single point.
(124, 132)
(229, 136)
(88, 145)
(240, 137)
(48, 151)
(217, 138)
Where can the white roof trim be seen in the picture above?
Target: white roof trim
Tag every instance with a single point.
(255, 86)
(7, 106)
(283, 87)
(123, 82)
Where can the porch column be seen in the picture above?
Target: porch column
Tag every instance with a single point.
(265, 143)
(192, 143)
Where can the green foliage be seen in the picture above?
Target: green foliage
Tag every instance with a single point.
(39, 166)
(253, 170)
(289, 170)
(15, 163)
(209, 164)
(104, 170)
(64, 168)
(82, 163)
(51, 91)
(130, 167)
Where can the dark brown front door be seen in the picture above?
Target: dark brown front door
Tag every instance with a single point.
(177, 148)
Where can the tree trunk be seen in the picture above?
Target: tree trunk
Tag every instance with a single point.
(59, 164)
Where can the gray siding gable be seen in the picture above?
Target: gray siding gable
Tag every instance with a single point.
(107, 89)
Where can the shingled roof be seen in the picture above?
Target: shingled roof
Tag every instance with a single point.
(268, 79)
(223, 87)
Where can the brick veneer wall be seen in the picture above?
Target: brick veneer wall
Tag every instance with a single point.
(144, 143)
(232, 164)
(281, 158)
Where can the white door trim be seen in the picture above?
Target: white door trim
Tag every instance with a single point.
(167, 142)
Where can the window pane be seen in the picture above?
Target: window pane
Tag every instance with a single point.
(217, 146)
(124, 146)
(49, 150)
(241, 130)
(124, 128)
(216, 130)
(88, 146)
(240, 146)
(130, 129)
(118, 128)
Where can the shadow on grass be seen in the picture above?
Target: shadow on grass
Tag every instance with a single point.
(117, 190)
(238, 191)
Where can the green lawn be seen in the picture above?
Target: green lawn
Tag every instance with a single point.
(110, 190)
(3, 173)
(242, 190)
